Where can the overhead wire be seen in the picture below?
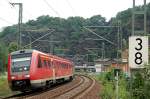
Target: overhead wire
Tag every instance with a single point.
(51, 8)
(73, 10)
(4, 20)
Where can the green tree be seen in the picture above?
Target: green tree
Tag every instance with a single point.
(3, 57)
(96, 20)
(8, 30)
(12, 47)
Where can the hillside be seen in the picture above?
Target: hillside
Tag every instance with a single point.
(70, 38)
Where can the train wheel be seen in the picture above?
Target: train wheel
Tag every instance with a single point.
(70, 78)
(48, 84)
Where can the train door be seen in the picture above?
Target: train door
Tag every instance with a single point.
(53, 68)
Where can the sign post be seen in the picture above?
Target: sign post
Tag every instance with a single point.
(138, 44)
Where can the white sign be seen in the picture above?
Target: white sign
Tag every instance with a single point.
(98, 67)
(138, 51)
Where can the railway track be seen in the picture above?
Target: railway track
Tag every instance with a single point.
(76, 89)
(85, 85)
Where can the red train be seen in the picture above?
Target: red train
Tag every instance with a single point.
(30, 69)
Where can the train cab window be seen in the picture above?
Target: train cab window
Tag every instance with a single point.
(39, 62)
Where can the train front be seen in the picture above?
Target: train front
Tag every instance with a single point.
(18, 70)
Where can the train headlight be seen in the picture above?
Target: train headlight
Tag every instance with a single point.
(27, 76)
(12, 77)
(25, 68)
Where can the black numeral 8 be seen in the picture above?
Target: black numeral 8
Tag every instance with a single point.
(138, 55)
(138, 58)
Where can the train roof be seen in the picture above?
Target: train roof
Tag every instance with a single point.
(36, 51)
(22, 51)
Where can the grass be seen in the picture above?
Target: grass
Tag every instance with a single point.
(108, 90)
(4, 88)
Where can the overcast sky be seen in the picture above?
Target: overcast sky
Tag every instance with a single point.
(62, 8)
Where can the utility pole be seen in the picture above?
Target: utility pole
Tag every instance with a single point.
(30, 40)
(103, 50)
(29, 37)
(30, 44)
(121, 40)
(19, 40)
(117, 72)
(51, 44)
(135, 13)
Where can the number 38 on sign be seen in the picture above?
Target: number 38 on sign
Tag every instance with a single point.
(138, 51)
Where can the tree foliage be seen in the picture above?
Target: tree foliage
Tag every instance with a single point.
(140, 83)
(12, 47)
(72, 35)
(3, 57)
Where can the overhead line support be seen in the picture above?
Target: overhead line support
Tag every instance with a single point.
(39, 38)
(100, 36)
(19, 40)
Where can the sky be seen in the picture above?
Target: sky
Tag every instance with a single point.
(62, 8)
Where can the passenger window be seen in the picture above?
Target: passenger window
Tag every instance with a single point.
(45, 63)
(67, 66)
(52, 64)
(39, 62)
(63, 65)
(49, 64)
(58, 64)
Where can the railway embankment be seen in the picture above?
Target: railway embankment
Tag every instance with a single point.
(4, 88)
(81, 87)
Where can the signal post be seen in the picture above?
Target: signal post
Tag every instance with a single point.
(138, 45)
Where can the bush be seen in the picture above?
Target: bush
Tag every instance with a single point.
(141, 84)
(107, 91)
(108, 83)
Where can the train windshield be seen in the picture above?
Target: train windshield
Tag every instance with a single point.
(20, 63)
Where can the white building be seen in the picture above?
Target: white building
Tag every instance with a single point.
(98, 67)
